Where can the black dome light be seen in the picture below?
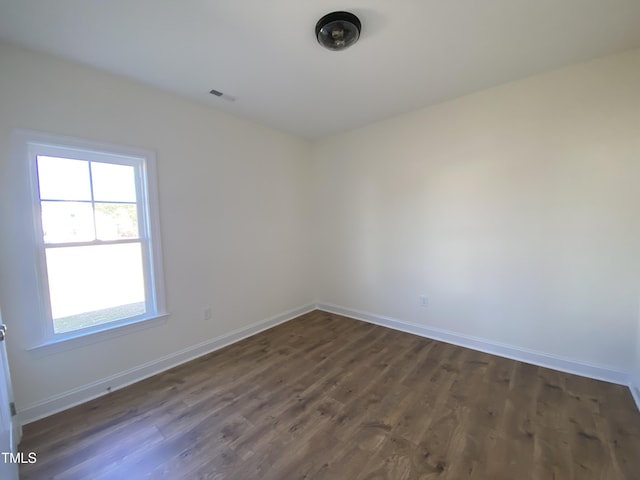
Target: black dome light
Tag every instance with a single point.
(338, 30)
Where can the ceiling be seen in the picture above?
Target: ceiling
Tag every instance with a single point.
(412, 53)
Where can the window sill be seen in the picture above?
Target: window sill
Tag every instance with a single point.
(81, 339)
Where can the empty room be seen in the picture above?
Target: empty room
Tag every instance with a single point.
(320, 240)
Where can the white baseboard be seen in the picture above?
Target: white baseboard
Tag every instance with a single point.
(76, 396)
(533, 357)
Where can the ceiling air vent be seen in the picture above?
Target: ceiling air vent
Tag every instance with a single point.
(223, 95)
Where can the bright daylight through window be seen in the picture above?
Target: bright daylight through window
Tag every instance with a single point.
(84, 203)
(97, 232)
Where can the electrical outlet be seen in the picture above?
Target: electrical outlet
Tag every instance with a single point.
(423, 301)
(208, 315)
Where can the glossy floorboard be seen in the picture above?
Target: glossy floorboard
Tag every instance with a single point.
(326, 397)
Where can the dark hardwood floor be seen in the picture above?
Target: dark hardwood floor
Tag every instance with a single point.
(326, 397)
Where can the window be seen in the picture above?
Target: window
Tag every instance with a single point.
(96, 233)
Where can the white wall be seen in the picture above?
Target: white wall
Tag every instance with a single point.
(516, 210)
(233, 204)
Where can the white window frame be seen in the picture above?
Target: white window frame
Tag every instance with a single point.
(30, 144)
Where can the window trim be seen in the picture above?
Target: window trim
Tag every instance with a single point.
(28, 144)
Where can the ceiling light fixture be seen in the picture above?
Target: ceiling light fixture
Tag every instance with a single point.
(338, 30)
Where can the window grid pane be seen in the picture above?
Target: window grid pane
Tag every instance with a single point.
(114, 217)
(113, 183)
(67, 222)
(63, 179)
(115, 221)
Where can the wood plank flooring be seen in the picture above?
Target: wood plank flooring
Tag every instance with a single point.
(326, 397)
